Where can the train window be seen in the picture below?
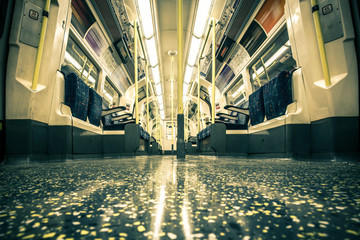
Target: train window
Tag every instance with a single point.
(238, 92)
(170, 131)
(77, 61)
(82, 18)
(111, 95)
(277, 58)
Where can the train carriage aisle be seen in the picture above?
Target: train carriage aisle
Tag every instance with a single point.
(179, 119)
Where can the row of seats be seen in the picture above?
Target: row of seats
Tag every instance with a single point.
(144, 134)
(272, 99)
(85, 102)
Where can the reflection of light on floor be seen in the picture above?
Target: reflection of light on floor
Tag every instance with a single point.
(185, 220)
(184, 210)
(159, 213)
(174, 173)
(164, 174)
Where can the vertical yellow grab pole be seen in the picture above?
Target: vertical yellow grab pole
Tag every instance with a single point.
(180, 149)
(160, 131)
(213, 74)
(172, 101)
(41, 45)
(198, 92)
(158, 125)
(321, 44)
(136, 72)
(147, 95)
(180, 59)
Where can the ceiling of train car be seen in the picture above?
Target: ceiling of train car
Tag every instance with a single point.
(167, 22)
(165, 16)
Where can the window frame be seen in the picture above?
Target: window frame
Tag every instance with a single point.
(74, 35)
(265, 48)
(108, 79)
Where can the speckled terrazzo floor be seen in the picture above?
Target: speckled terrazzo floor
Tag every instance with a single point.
(201, 198)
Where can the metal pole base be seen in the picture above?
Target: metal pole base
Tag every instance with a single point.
(180, 144)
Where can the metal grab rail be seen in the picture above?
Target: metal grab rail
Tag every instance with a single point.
(180, 58)
(321, 44)
(41, 45)
(136, 73)
(213, 73)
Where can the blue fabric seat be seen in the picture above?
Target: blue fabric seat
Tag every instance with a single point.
(95, 107)
(256, 107)
(76, 96)
(242, 118)
(278, 95)
(144, 134)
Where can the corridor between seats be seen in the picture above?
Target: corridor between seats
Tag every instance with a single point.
(158, 197)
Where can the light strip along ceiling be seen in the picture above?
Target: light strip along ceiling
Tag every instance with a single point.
(146, 21)
(201, 21)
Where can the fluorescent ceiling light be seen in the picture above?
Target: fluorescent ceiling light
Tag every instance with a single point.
(156, 74)
(161, 106)
(201, 17)
(162, 114)
(158, 89)
(185, 99)
(185, 88)
(146, 17)
(160, 99)
(151, 47)
(194, 50)
(188, 74)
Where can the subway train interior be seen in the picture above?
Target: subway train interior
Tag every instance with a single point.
(179, 119)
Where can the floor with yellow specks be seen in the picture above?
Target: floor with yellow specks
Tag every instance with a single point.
(158, 197)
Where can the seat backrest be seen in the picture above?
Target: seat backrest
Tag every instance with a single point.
(76, 96)
(95, 107)
(278, 95)
(256, 107)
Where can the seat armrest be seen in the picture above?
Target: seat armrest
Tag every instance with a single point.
(228, 116)
(65, 109)
(112, 110)
(121, 117)
(244, 111)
